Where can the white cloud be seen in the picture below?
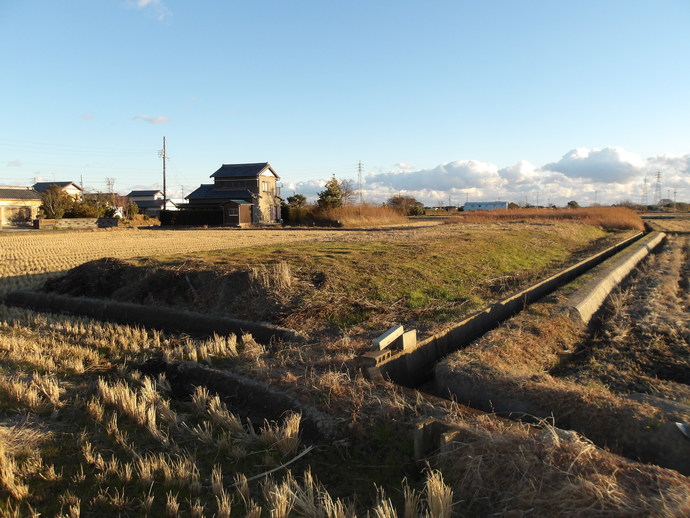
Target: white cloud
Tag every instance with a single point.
(611, 164)
(461, 174)
(157, 7)
(159, 119)
(404, 166)
(88, 116)
(14, 163)
(607, 175)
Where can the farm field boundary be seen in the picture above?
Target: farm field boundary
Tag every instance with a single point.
(166, 319)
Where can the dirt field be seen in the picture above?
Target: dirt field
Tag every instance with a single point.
(27, 258)
(679, 222)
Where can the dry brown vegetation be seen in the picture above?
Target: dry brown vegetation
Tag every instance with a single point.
(84, 433)
(603, 217)
(357, 216)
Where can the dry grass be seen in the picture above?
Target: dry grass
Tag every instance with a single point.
(556, 473)
(608, 218)
(358, 216)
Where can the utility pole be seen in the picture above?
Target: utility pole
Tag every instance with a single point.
(644, 193)
(359, 182)
(164, 156)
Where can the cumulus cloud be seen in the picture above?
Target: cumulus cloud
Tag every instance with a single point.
(607, 175)
(159, 119)
(461, 174)
(611, 164)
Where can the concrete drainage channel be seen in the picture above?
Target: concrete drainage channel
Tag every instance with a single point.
(398, 358)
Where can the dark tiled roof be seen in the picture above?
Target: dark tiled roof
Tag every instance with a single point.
(19, 193)
(240, 170)
(207, 192)
(42, 186)
(144, 193)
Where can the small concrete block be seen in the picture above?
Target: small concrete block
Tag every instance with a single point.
(388, 337)
(409, 340)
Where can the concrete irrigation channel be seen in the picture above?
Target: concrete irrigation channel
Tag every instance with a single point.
(440, 366)
(398, 357)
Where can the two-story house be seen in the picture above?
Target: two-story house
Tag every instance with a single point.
(247, 194)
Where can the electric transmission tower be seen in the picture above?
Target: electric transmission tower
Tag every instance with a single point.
(644, 200)
(657, 188)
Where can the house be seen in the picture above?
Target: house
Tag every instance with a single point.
(18, 205)
(485, 205)
(70, 188)
(247, 193)
(151, 202)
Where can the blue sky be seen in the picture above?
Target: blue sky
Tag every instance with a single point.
(463, 99)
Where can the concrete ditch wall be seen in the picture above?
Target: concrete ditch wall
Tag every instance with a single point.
(588, 299)
(414, 366)
(157, 317)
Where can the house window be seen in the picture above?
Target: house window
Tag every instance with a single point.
(264, 186)
(232, 211)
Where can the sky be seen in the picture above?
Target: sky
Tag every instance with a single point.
(527, 101)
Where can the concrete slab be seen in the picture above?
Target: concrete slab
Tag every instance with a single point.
(387, 338)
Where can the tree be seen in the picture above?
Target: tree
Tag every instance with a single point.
(332, 195)
(573, 204)
(131, 210)
(55, 202)
(347, 190)
(297, 200)
(407, 205)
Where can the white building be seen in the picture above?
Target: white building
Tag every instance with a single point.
(485, 205)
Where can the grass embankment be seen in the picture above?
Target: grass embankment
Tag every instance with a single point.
(422, 278)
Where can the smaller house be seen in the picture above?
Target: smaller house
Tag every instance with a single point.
(237, 213)
(485, 205)
(18, 205)
(150, 202)
(70, 188)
